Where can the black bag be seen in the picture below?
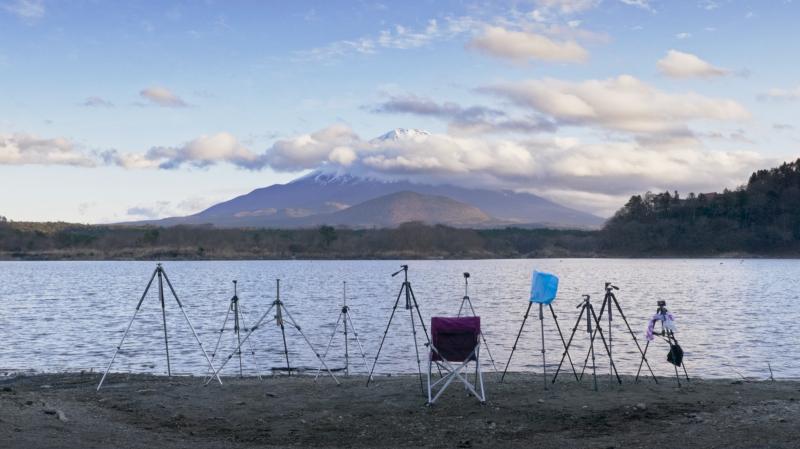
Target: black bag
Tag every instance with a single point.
(675, 354)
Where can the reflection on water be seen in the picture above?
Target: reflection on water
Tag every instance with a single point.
(734, 317)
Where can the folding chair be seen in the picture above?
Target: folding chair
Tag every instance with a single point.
(455, 342)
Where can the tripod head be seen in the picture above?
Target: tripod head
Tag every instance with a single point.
(466, 284)
(662, 307)
(610, 286)
(584, 301)
(402, 269)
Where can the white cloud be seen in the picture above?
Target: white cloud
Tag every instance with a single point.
(643, 4)
(95, 101)
(683, 35)
(568, 6)
(524, 46)
(27, 149)
(677, 64)
(162, 96)
(200, 152)
(791, 94)
(623, 103)
(26, 9)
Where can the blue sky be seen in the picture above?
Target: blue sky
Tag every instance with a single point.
(113, 111)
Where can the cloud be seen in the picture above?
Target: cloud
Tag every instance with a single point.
(677, 64)
(523, 46)
(27, 149)
(161, 209)
(623, 103)
(567, 6)
(683, 35)
(643, 4)
(97, 102)
(26, 9)
(473, 119)
(201, 152)
(792, 94)
(162, 96)
(782, 126)
(560, 167)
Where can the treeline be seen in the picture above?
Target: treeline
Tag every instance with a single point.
(55, 241)
(761, 217)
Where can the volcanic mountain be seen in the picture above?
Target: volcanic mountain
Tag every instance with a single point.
(346, 200)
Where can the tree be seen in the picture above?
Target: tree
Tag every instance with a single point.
(328, 234)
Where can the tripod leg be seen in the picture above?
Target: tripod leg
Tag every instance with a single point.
(246, 338)
(594, 334)
(483, 337)
(594, 365)
(236, 331)
(125, 334)
(346, 349)
(514, 348)
(422, 323)
(563, 342)
(219, 339)
(294, 323)
(394, 309)
(544, 363)
(641, 363)
(164, 318)
(461, 307)
(250, 344)
(186, 317)
(683, 365)
(285, 347)
(566, 347)
(635, 340)
(416, 349)
(358, 342)
(603, 339)
(330, 342)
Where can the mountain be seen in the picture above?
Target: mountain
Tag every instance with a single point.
(319, 195)
(391, 210)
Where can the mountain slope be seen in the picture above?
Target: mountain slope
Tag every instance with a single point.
(401, 207)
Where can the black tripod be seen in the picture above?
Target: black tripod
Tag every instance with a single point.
(280, 309)
(344, 319)
(411, 305)
(468, 303)
(591, 318)
(541, 323)
(239, 323)
(162, 276)
(609, 299)
(669, 336)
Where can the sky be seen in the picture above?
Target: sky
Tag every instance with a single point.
(116, 111)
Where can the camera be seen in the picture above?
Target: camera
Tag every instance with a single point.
(662, 303)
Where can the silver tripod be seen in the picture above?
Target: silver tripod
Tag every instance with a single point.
(162, 276)
(280, 310)
(344, 319)
(239, 323)
(465, 301)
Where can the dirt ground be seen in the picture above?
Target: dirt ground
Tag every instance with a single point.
(139, 411)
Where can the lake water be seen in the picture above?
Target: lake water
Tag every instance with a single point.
(733, 316)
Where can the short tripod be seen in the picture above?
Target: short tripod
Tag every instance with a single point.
(162, 276)
(591, 318)
(344, 319)
(280, 309)
(239, 317)
(608, 300)
(669, 336)
(410, 305)
(468, 303)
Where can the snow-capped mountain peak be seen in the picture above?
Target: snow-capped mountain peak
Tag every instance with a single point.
(399, 134)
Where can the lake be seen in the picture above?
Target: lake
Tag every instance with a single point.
(734, 317)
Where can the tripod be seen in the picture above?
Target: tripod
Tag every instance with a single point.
(591, 317)
(238, 321)
(609, 299)
(541, 322)
(162, 276)
(411, 304)
(669, 336)
(465, 301)
(280, 309)
(344, 318)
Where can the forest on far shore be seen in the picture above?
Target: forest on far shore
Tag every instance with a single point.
(761, 218)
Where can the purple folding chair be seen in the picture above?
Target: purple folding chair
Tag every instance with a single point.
(455, 342)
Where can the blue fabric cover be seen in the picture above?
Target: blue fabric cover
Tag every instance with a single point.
(544, 287)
